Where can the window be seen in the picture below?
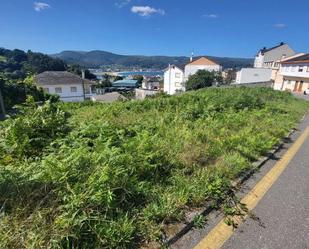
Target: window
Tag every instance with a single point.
(46, 90)
(177, 75)
(178, 84)
(73, 89)
(58, 90)
(300, 69)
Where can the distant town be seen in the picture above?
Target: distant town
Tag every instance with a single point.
(278, 67)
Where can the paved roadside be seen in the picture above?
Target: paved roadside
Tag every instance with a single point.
(302, 96)
(283, 212)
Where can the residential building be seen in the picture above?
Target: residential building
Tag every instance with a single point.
(202, 63)
(294, 74)
(173, 80)
(266, 64)
(175, 77)
(269, 57)
(70, 87)
(151, 83)
(253, 75)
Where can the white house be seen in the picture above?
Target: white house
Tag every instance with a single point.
(202, 63)
(269, 57)
(173, 80)
(70, 87)
(266, 65)
(294, 74)
(253, 75)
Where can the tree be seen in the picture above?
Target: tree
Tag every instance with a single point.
(202, 79)
(2, 107)
(106, 81)
(230, 77)
(118, 78)
(76, 69)
(139, 78)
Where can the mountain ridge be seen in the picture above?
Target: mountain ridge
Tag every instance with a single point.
(100, 58)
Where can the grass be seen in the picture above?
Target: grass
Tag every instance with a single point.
(112, 175)
(2, 58)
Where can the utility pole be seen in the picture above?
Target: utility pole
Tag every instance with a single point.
(83, 83)
(2, 108)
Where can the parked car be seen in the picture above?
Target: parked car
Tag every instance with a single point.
(306, 92)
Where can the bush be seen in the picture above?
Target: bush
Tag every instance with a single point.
(27, 134)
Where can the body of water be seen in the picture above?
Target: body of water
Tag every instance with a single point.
(144, 73)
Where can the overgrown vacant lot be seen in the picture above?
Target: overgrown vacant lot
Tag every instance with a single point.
(112, 175)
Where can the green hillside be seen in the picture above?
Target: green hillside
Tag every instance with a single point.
(2, 58)
(92, 175)
(102, 58)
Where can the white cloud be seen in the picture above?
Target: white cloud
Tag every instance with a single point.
(146, 11)
(280, 25)
(121, 4)
(210, 15)
(38, 6)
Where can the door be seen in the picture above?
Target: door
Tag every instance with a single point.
(300, 87)
(295, 87)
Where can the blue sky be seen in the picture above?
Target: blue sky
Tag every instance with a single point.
(154, 27)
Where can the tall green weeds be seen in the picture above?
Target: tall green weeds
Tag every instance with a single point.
(112, 175)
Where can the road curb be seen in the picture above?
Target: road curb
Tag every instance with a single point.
(238, 182)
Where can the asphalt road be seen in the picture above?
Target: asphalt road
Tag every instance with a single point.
(283, 212)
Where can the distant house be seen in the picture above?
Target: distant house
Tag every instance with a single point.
(294, 74)
(125, 84)
(202, 63)
(269, 57)
(173, 80)
(151, 83)
(70, 87)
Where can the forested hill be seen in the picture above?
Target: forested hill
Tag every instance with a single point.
(102, 58)
(17, 64)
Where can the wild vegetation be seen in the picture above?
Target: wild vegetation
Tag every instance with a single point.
(113, 175)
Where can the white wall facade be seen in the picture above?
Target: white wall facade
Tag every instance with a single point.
(192, 69)
(259, 60)
(151, 85)
(253, 75)
(68, 93)
(173, 80)
(143, 93)
(295, 70)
